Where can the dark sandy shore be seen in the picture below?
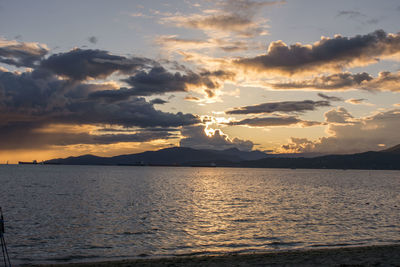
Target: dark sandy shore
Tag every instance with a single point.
(352, 256)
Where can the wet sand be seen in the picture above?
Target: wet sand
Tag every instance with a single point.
(352, 256)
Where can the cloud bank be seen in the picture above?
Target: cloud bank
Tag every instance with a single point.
(285, 106)
(385, 81)
(274, 121)
(332, 54)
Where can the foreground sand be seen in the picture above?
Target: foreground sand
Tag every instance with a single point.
(354, 256)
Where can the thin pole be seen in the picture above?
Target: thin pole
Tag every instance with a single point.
(2, 250)
(3, 241)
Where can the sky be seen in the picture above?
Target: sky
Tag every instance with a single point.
(120, 77)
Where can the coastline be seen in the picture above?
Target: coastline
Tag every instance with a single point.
(382, 255)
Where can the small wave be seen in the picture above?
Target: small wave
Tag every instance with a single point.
(337, 245)
(244, 220)
(20, 246)
(97, 247)
(284, 244)
(196, 253)
(138, 233)
(269, 238)
(71, 258)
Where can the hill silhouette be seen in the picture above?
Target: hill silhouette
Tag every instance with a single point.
(388, 159)
(167, 156)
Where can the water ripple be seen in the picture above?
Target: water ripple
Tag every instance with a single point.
(83, 213)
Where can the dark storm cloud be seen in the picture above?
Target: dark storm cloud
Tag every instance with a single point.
(274, 121)
(33, 101)
(47, 97)
(80, 64)
(160, 81)
(122, 94)
(41, 93)
(285, 106)
(21, 54)
(330, 98)
(335, 54)
(29, 92)
(132, 112)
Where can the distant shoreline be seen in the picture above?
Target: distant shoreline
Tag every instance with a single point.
(206, 166)
(189, 157)
(384, 255)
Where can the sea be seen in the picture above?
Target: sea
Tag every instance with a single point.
(66, 214)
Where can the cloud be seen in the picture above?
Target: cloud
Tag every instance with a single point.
(135, 111)
(32, 101)
(160, 81)
(350, 14)
(222, 22)
(330, 98)
(173, 43)
(21, 54)
(81, 64)
(337, 81)
(363, 134)
(328, 54)
(285, 106)
(47, 98)
(26, 135)
(196, 137)
(338, 115)
(385, 81)
(30, 93)
(358, 101)
(192, 98)
(274, 121)
(93, 39)
(234, 17)
(158, 101)
(357, 16)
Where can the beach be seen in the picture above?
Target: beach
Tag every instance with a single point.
(388, 255)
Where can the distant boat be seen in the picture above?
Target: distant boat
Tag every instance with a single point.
(27, 162)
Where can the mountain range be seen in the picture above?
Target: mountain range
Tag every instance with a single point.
(388, 159)
(167, 156)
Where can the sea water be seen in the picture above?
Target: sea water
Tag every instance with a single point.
(92, 213)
